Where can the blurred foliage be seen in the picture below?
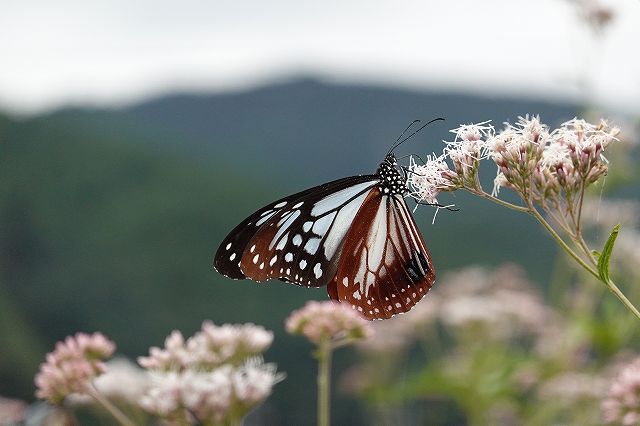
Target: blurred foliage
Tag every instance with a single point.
(527, 362)
(109, 220)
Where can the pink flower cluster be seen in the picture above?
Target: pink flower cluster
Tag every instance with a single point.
(12, 411)
(72, 366)
(622, 403)
(210, 395)
(212, 346)
(531, 160)
(213, 376)
(328, 320)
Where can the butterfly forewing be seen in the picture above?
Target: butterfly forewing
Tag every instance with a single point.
(384, 266)
(296, 238)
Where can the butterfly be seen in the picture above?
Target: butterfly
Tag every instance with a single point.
(355, 235)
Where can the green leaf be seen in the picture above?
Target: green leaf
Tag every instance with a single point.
(604, 258)
(596, 253)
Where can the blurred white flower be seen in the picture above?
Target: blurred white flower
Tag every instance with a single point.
(164, 395)
(502, 303)
(210, 347)
(214, 377)
(122, 380)
(572, 387)
(252, 382)
(328, 320)
(400, 331)
(222, 395)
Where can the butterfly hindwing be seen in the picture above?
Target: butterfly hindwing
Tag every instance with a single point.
(384, 266)
(295, 238)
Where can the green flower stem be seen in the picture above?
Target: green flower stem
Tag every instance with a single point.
(532, 210)
(107, 405)
(560, 241)
(620, 295)
(323, 354)
(609, 283)
(499, 201)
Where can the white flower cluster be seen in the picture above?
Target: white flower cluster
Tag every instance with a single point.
(212, 346)
(215, 376)
(427, 180)
(531, 160)
(210, 396)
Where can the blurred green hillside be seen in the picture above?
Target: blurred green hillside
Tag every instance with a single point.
(109, 218)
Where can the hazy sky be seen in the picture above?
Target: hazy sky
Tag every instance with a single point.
(119, 51)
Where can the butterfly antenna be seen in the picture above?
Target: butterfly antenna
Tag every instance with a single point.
(408, 127)
(401, 141)
(411, 155)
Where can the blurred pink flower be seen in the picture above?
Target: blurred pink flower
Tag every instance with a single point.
(214, 377)
(572, 387)
(210, 347)
(122, 380)
(397, 333)
(220, 395)
(622, 403)
(12, 411)
(319, 321)
(502, 304)
(72, 366)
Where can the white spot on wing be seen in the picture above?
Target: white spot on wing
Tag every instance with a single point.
(280, 205)
(317, 270)
(282, 242)
(284, 227)
(311, 245)
(303, 264)
(265, 218)
(288, 257)
(255, 258)
(307, 226)
(297, 240)
(228, 246)
(233, 256)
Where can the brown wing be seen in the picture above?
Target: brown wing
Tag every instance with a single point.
(295, 239)
(384, 267)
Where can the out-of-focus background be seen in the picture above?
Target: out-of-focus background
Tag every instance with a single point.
(135, 135)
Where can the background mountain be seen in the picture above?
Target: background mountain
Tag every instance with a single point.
(109, 218)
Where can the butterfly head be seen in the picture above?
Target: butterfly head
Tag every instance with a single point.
(392, 180)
